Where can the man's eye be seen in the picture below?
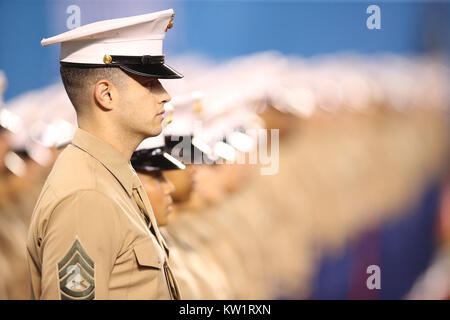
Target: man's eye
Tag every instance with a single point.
(151, 83)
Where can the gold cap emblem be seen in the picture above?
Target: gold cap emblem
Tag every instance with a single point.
(107, 59)
(198, 107)
(169, 119)
(170, 25)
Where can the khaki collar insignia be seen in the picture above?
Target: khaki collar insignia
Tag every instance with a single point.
(76, 274)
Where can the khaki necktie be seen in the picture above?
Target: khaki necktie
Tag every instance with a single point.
(138, 199)
(141, 198)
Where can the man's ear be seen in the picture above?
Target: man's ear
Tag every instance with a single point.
(104, 93)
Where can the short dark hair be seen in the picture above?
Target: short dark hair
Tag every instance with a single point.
(78, 81)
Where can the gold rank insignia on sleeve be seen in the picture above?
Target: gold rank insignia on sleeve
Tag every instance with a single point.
(76, 274)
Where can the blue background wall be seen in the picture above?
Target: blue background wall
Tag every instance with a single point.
(223, 29)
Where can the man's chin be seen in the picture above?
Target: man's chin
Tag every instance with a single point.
(155, 131)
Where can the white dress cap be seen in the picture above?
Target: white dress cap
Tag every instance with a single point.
(133, 43)
(151, 156)
(152, 142)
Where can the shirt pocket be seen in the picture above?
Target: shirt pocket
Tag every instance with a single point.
(149, 254)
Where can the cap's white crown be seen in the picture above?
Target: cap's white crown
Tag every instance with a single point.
(131, 36)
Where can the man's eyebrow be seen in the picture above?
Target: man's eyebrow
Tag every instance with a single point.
(144, 82)
(149, 80)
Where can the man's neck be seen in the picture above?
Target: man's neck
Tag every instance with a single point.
(122, 142)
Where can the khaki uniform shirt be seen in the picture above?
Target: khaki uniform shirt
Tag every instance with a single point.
(187, 281)
(93, 233)
(208, 275)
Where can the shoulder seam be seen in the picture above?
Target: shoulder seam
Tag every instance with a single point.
(73, 193)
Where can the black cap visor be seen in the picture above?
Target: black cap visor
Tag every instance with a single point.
(197, 156)
(145, 66)
(144, 161)
(161, 70)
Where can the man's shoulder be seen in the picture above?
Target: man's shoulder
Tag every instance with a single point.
(74, 177)
(73, 170)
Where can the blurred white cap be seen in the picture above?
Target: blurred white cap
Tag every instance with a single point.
(184, 111)
(152, 142)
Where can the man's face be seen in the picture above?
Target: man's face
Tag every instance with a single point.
(141, 106)
(159, 193)
(183, 181)
(210, 188)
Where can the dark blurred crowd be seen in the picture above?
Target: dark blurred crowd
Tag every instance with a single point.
(360, 140)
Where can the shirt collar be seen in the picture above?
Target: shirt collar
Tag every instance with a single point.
(108, 156)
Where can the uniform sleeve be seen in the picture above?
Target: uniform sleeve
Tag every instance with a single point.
(79, 248)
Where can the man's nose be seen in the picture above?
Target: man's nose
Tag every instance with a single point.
(165, 96)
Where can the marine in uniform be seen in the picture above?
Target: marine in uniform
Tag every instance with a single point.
(150, 160)
(93, 233)
(182, 142)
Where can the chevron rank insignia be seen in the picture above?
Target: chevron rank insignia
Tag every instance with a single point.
(76, 274)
